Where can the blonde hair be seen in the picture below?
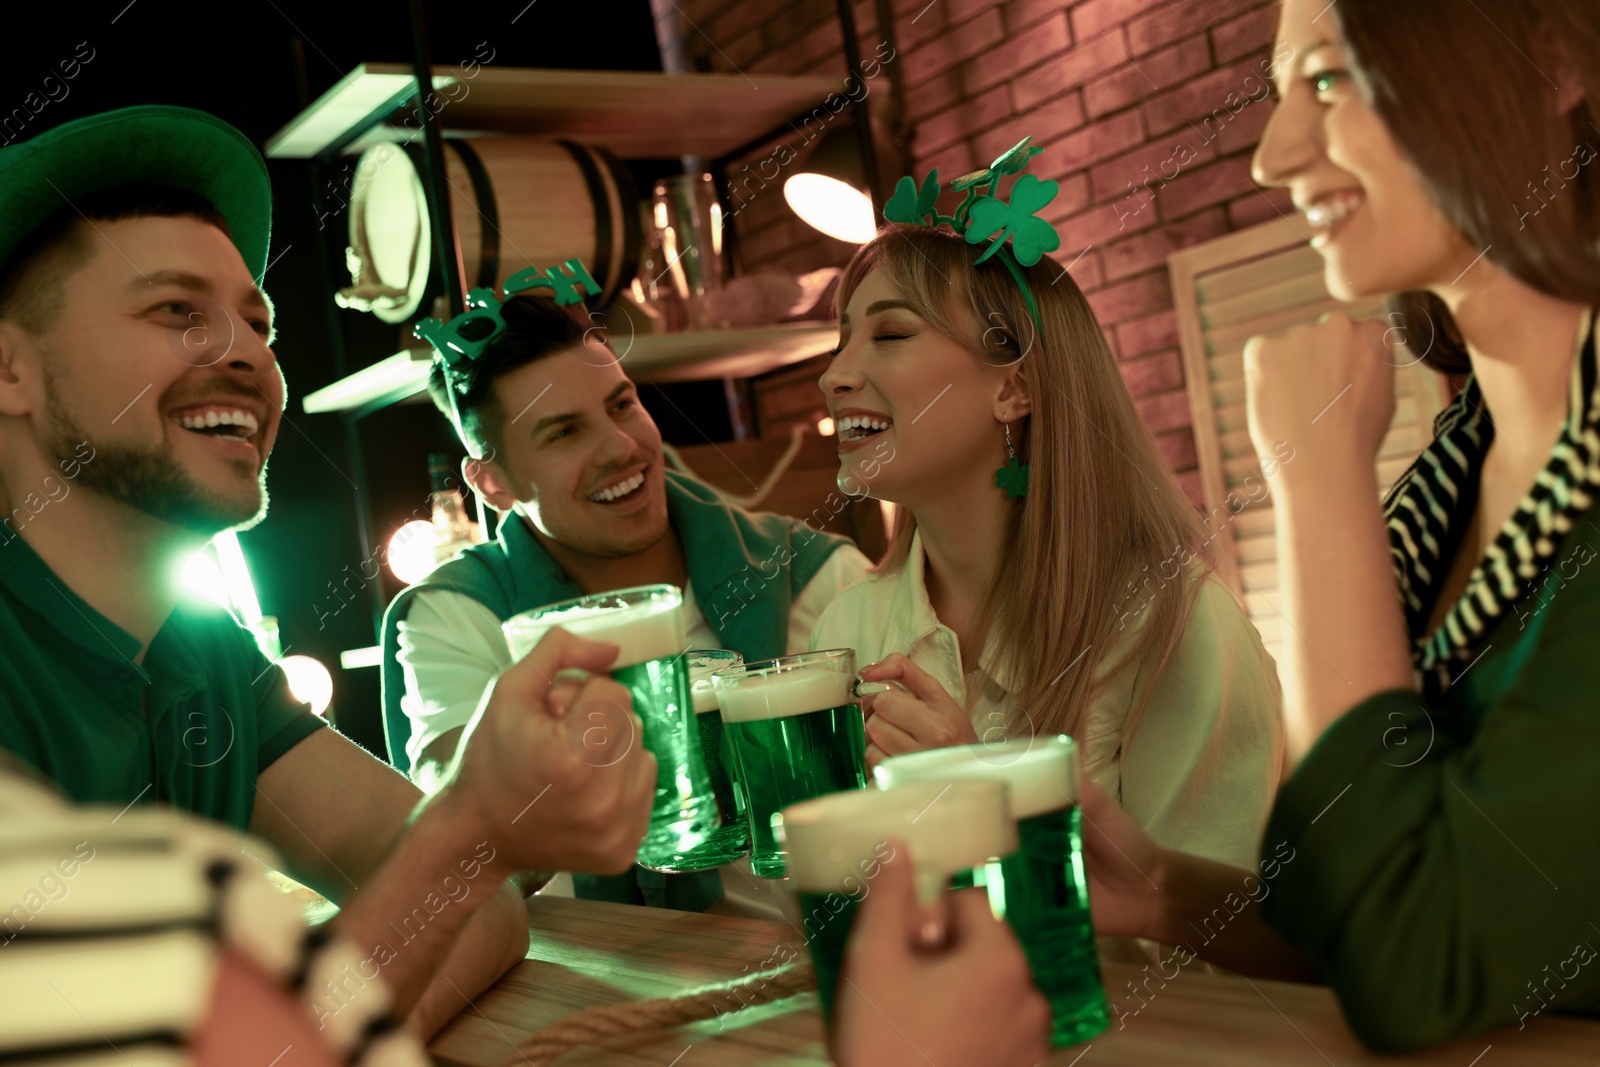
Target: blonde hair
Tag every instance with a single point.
(1102, 509)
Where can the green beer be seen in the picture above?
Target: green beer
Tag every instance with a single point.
(1041, 888)
(792, 731)
(835, 844)
(731, 839)
(647, 622)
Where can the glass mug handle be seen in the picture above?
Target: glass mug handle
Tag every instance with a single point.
(859, 688)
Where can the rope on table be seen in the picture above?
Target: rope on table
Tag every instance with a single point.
(543, 1047)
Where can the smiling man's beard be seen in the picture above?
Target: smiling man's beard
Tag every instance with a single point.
(149, 479)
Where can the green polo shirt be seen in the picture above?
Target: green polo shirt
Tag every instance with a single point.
(192, 727)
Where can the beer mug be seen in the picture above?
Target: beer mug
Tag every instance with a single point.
(732, 838)
(647, 622)
(834, 844)
(793, 730)
(1041, 888)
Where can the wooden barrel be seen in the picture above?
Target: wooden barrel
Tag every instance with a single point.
(515, 202)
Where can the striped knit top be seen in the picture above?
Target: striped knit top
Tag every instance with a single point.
(114, 931)
(1430, 508)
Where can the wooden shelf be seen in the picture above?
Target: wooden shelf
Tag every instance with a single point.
(635, 114)
(668, 357)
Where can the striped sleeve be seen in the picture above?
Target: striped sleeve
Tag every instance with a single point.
(114, 926)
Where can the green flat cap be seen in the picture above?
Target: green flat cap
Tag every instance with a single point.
(174, 146)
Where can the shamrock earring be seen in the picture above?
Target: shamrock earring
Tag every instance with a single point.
(1013, 477)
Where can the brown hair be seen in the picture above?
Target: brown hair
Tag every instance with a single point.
(32, 275)
(1489, 150)
(1102, 507)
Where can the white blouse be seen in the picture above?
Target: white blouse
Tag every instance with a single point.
(1203, 766)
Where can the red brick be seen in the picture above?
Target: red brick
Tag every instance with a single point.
(1166, 68)
(1143, 251)
(1018, 55)
(935, 95)
(819, 52)
(1122, 301)
(966, 119)
(739, 19)
(1214, 183)
(1165, 411)
(1244, 132)
(1178, 450)
(959, 11)
(1142, 172)
(1267, 205)
(1092, 17)
(741, 52)
(1091, 57)
(1090, 145)
(1179, 20)
(953, 46)
(1102, 223)
(1020, 14)
(909, 35)
(1245, 34)
(952, 162)
(1218, 97)
(1082, 265)
(1153, 374)
(1043, 123)
(1139, 337)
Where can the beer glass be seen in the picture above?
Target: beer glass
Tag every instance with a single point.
(732, 837)
(792, 730)
(647, 622)
(1041, 888)
(834, 844)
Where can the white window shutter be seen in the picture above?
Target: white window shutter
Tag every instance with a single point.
(1264, 280)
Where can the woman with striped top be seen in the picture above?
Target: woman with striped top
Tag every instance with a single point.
(1431, 855)
(150, 938)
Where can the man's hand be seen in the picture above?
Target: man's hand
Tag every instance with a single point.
(553, 770)
(923, 717)
(1127, 870)
(969, 1003)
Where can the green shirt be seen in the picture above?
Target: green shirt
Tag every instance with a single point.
(1445, 868)
(73, 704)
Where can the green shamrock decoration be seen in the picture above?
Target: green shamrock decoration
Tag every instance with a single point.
(1030, 237)
(1013, 478)
(910, 206)
(1015, 158)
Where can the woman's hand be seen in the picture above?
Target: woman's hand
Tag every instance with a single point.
(925, 716)
(970, 1002)
(1321, 392)
(1127, 869)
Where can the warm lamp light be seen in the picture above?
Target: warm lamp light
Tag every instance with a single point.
(836, 208)
(411, 551)
(309, 682)
(825, 426)
(829, 189)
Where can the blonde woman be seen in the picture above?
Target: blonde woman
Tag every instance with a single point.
(1086, 605)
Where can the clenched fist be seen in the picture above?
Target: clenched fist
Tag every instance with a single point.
(1326, 388)
(552, 767)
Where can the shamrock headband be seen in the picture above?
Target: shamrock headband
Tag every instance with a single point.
(983, 216)
(456, 353)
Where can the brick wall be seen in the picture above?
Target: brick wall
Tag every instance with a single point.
(1148, 111)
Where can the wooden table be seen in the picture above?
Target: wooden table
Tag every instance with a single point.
(586, 953)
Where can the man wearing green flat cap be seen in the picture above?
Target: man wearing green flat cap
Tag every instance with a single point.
(139, 401)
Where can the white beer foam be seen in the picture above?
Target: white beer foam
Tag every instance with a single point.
(701, 688)
(784, 693)
(830, 844)
(1042, 772)
(652, 629)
